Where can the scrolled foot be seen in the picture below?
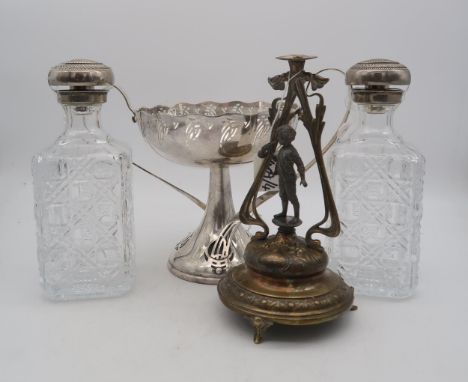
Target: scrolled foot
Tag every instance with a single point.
(260, 326)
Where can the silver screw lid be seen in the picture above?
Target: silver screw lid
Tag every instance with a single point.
(81, 74)
(378, 72)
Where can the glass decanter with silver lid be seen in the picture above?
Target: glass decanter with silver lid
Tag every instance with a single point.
(82, 190)
(377, 181)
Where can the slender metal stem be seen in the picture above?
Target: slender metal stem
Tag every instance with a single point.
(194, 199)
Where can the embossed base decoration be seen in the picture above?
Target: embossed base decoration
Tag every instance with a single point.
(218, 243)
(308, 301)
(206, 259)
(265, 290)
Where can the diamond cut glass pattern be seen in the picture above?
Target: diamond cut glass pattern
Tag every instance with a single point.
(83, 207)
(377, 182)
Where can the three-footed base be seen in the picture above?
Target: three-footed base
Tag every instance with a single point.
(301, 301)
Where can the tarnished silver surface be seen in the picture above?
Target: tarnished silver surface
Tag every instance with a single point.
(206, 133)
(80, 72)
(377, 82)
(378, 72)
(213, 135)
(81, 81)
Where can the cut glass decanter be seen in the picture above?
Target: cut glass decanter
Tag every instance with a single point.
(377, 182)
(83, 201)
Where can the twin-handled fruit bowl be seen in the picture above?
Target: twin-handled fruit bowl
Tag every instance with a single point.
(213, 135)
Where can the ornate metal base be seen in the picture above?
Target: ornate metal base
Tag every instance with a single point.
(218, 244)
(192, 260)
(265, 291)
(313, 301)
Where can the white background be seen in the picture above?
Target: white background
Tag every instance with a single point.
(164, 52)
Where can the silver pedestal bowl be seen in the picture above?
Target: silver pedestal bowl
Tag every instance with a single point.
(213, 135)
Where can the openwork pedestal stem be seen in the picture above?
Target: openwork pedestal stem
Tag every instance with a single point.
(218, 244)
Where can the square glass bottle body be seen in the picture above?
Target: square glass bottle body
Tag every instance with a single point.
(83, 208)
(377, 181)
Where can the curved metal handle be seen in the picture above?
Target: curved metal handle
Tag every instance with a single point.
(260, 199)
(188, 195)
(194, 199)
(125, 97)
(314, 126)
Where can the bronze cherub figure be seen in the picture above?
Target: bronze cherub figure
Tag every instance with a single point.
(285, 279)
(286, 158)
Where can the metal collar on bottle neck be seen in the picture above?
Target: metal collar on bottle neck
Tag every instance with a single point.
(81, 97)
(378, 97)
(81, 82)
(378, 81)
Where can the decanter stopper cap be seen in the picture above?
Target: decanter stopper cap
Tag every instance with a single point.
(81, 82)
(81, 73)
(378, 82)
(378, 72)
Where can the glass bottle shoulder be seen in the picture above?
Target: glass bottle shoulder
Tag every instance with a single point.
(96, 145)
(362, 146)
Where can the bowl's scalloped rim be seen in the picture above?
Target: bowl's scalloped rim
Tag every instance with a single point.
(263, 108)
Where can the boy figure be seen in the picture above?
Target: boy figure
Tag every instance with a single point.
(287, 157)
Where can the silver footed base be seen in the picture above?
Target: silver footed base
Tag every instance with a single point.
(218, 244)
(192, 278)
(205, 258)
